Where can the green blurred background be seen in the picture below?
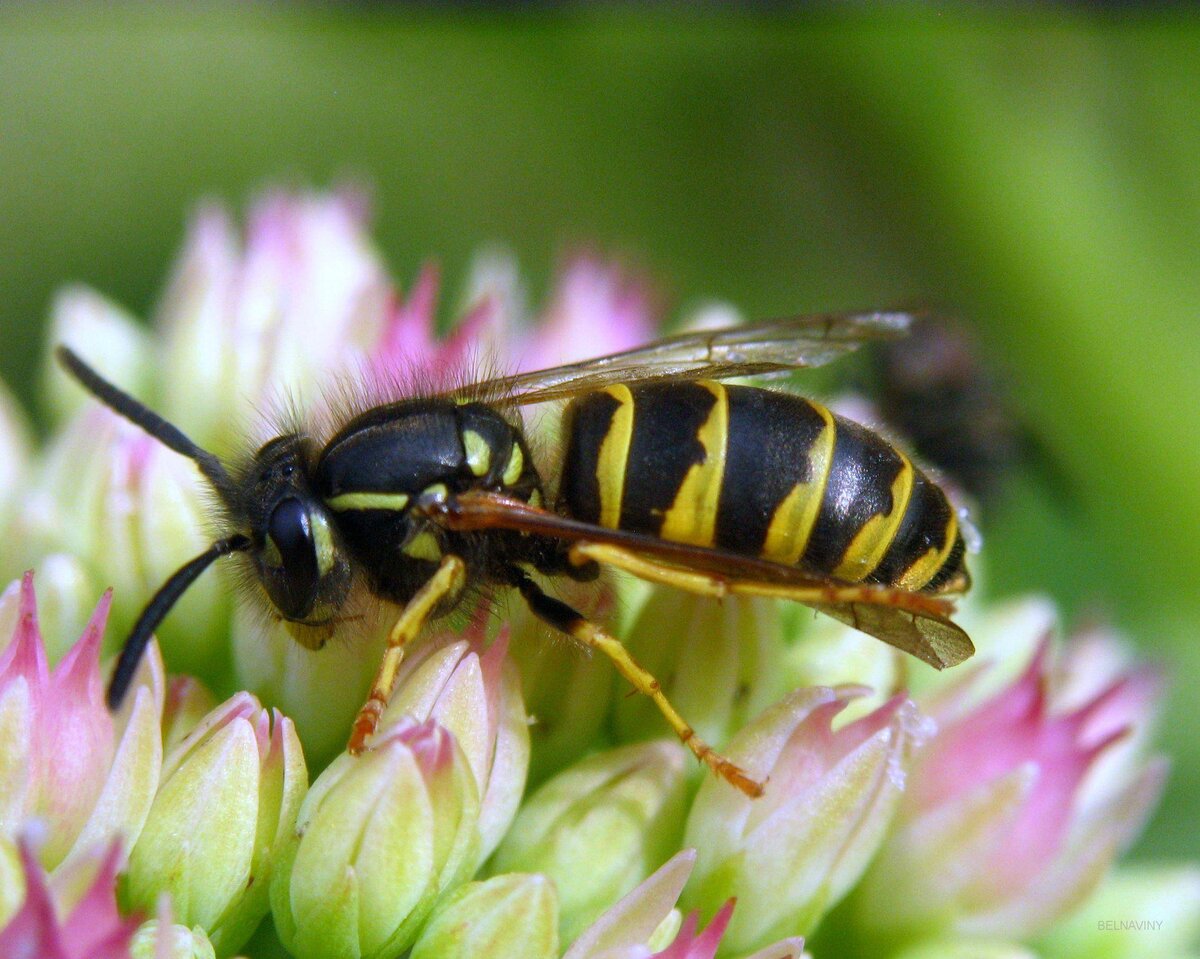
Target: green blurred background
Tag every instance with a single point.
(1037, 172)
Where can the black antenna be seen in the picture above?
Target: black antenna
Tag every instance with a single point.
(167, 434)
(157, 609)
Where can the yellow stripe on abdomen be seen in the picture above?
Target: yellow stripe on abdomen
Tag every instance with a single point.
(870, 543)
(927, 566)
(613, 455)
(692, 516)
(794, 518)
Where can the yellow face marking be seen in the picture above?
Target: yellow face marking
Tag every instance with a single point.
(535, 498)
(424, 546)
(794, 518)
(322, 540)
(692, 516)
(926, 567)
(614, 452)
(436, 491)
(516, 464)
(869, 545)
(348, 501)
(479, 454)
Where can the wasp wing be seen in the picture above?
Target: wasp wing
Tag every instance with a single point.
(930, 637)
(769, 346)
(915, 623)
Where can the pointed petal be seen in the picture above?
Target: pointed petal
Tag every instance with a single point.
(638, 913)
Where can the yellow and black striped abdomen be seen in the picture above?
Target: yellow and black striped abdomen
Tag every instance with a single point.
(760, 473)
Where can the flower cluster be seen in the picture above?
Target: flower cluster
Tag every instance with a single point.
(515, 801)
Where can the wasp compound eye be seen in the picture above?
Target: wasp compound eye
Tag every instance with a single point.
(293, 584)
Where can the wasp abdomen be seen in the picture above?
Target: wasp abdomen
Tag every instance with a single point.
(761, 473)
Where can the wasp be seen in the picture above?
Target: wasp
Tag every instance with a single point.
(666, 472)
(937, 388)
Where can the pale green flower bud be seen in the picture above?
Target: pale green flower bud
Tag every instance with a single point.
(720, 663)
(514, 916)
(474, 693)
(790, 855)
(228, 798)
(600, 827)
(158, 940)
(111, 339)
(133, 512)
(379, 839)
(1141, 912)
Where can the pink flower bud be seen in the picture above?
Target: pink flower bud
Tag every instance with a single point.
(90, 928)
(597, 308)
(88, 776)
(994, 836)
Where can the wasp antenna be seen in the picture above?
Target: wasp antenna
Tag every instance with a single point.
(157, 609)
(166, 433)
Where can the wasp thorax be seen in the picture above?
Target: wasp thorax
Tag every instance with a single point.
(294, 544)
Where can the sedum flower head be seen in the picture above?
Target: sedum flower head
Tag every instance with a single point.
(830, 793)
(998, 835)
(379, 839)
(383, 848)
(88, 776)
(227, 802)
(618, 812)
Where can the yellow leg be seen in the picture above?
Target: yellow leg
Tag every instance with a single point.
(713, 584)
(590, 635)
(563, 617)
(447, 581)
(914, 623)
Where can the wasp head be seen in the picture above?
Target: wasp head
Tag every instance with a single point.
(294, 546)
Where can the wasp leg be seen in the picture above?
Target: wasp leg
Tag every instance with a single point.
(914, 623)
(712, 584)
(562, 617)
(447, 581)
